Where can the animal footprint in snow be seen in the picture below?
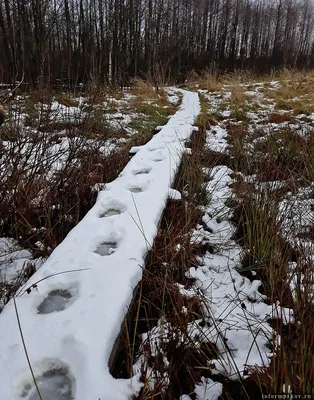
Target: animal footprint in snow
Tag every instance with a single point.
(138, 187)
(158, 159)
(106, 248)
(158, 156)
(157, 147)
(57, 300)
(54, 384)
(141, 171)
(113, 208)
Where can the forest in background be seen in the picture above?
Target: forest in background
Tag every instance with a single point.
(75, 42)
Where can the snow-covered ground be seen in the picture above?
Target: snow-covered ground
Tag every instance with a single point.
(75, 304)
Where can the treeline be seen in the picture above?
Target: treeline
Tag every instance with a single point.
(77, 41)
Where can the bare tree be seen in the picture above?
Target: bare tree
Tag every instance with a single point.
(72, 41)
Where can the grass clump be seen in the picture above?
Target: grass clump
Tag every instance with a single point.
(66, 99)
(209, 80)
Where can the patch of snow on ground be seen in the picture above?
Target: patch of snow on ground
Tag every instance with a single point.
(215, 139)
(173, 95)
(208, 390)
(236, 311)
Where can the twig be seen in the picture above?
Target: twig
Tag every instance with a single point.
(25, 349)
(50, 276)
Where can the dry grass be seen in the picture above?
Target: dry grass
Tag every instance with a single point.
(207, 80)
(146, 91)
(280, 155)
(268, 256)
(8, 290)
(295, 92)
(38, 205)
(277, 118)
(210, 81)
(287, 157)
(67, 99)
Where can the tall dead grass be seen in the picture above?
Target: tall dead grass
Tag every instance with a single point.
(286, 158)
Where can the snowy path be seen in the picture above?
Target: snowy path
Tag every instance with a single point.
(70, 322)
